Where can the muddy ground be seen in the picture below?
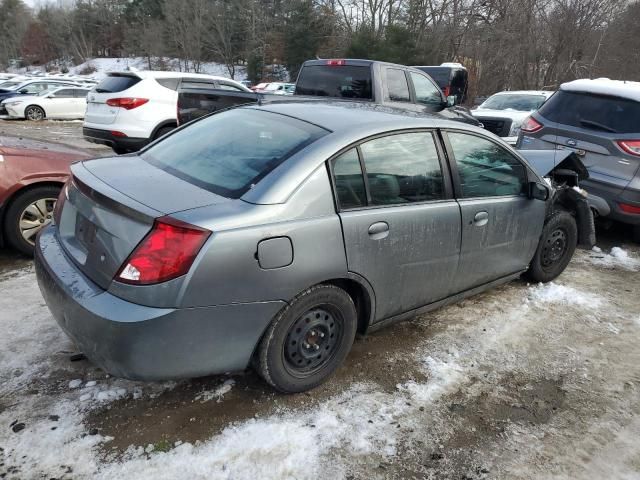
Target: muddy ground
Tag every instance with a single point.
(522, 382)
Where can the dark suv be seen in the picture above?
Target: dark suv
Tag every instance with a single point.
(600, 121)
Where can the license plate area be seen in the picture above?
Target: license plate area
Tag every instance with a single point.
(85, 232)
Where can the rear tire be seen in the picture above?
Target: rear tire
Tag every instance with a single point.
(308, 339)
(34, 113)
(163, 131)
(555, 250)
(29, 213)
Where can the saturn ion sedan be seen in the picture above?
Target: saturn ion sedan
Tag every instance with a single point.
(270, 235)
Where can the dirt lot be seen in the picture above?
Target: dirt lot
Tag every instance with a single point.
(523, 382)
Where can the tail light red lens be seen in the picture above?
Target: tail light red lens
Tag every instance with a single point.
(446, 91)
(531, 125)
(626, 208)
(632, 147)
(167, 252)
(336, 63)
(127, 103)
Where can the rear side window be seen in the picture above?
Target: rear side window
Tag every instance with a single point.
(350, 188)
(593, 112)
(170, 83)
(397, 86)
(65, 93)
(80, 93)
(230, 152)
(339, 81)
(116, 83)
(403, 168)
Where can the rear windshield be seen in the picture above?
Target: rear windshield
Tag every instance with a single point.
(340, 81)
(521, 103)
(593, 112)
(441, 75)
(230, 152)
(116, 83)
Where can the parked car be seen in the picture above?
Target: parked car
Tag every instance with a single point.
(279, 88)
(452, 78)
(504, 112)
(31, 176)
(60, 103)
(127, 110)
(600, 121)
(260, 86)
(32, 87)
(383, 83)
(276, 232)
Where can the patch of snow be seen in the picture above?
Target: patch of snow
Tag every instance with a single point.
(616, 258)
(75, 383)
(553, 293)
(218, 393)
(612, 328)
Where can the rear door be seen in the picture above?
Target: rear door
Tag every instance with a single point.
(401, 225)
(501, 226)
(591, 125)
(98, 112)
(61, 103)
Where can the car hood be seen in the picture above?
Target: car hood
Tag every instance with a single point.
(514, 115)
(22, 98)
(545, 162)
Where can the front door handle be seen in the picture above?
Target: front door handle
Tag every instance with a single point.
(378, 230)
(481, 219)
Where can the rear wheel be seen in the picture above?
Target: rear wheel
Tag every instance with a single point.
(29, 213)
(556, 247)
(308, 340)
(35, 113)
(163, 131)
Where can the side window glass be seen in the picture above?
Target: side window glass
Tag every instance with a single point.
(349, 180)
(80, 93)
(397, 87)
(485, 168)
(66, 93)
(403, 168)
(232, 88)
(427, 93)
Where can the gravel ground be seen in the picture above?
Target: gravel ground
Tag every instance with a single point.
(522, 382)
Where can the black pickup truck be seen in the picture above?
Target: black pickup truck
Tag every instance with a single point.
(395, 86)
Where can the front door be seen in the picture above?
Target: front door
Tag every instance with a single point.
(501, 225)
(401, 225)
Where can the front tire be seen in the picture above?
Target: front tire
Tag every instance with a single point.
(29, 213)
(34, 113)
(555, 250)
(308, 340)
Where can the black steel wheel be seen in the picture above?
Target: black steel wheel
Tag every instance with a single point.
(556, 247)
(308, 339)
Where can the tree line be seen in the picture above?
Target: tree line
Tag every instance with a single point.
(505, 44)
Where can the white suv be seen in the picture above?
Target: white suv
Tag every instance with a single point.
(127, 110)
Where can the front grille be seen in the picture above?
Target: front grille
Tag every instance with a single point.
(498, 126)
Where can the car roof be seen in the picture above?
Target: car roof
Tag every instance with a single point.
(347, 114)
(546, 93)
(605, 86)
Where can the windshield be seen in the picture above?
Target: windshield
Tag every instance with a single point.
(521, 103)
(229, 152)
(10, 85)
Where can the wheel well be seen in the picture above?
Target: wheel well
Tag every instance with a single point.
(360, 297)
(168, 123)
(32, 105)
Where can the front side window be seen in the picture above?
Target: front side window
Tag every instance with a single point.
(403, 168)
(397, 87)
(230, 152)
(349, 180)
(486, 169)
(426, 92)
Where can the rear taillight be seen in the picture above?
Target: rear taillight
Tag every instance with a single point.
(167, 252)
(531, 125)
(336, 63)
(127, 103)
(446, 90)
(626, 208)
(632, 147)
(116, 133)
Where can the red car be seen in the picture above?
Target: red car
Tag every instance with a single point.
(31, 176)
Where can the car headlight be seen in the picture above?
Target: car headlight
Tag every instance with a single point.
(10, 104)
(515, 129)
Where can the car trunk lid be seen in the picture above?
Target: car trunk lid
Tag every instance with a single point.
(111, 204)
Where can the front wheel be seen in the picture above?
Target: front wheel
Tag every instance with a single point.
(35, 113)
(555, 250)
(308, 340)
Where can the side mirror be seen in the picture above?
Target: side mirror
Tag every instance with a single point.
(538, 191)
(451, 100)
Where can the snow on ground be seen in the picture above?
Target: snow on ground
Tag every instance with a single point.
(555, 293)
(616, 258)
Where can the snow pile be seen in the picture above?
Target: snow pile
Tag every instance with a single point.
(553, 293)
(445, 377)
(616, 258)
(218, 393)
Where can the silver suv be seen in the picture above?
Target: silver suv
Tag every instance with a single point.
(600, 121)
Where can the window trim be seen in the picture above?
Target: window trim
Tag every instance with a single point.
(447, 187)
(453, 166)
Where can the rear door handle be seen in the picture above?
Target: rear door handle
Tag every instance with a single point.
(378, 230)
(481, 219)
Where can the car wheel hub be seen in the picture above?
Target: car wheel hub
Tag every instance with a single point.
(554, 248)
(312, 340)
(35, 217)
(34, 114)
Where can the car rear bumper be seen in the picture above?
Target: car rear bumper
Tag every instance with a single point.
(146, 343)
(105, 137)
